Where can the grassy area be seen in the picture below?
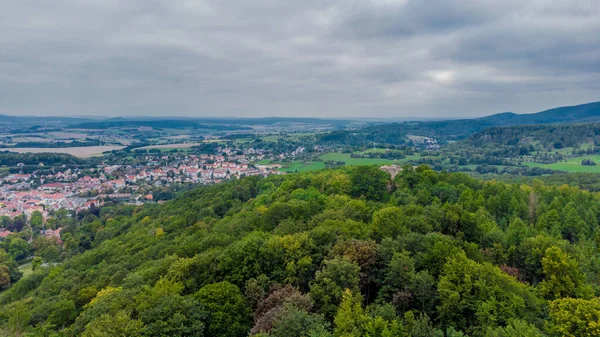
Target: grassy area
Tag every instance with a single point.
(299, 166)
(272, 138)
(244, 140)
(303, 166)
(26, 269)
(571, 165)
(297, 136)
(345, 157)
(291, 136)
(378, 150)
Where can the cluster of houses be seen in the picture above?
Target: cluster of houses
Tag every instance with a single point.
(428, 142)
(75, 189)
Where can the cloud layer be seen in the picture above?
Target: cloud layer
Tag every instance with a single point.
(337, 58)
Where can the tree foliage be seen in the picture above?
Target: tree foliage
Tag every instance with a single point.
(343, 252)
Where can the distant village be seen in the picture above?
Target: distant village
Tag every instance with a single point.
(74, 189)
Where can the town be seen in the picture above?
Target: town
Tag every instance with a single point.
(74, 189)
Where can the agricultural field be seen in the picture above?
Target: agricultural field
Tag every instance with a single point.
(299, 166)
(169, 146)
(303, 166)
(290, 136)
(376, 150)
(82, 152)
(346, 157)
(571, 165)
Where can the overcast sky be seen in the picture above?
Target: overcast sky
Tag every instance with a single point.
(346, 58)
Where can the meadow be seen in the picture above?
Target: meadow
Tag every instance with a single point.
(347, 158)
(303, 166)
(571, 165)
(299, 166)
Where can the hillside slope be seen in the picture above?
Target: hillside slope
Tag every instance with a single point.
(589, 112)
(395, 133)
(331, 253)
(550, 137)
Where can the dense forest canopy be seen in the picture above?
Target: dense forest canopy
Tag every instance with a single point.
(13, 159)
(344, 252)
(551, 137)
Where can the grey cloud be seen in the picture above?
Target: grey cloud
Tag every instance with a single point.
(340, 58)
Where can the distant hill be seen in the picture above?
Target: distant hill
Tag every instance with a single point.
(589, 112)
(395, 133)
(177, 122)
(42, 120)
(157, 124)
(551, 137)
(207, 122)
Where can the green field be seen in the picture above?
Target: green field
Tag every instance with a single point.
(345, 157)
(378, 150)
(303, 166)
(290, 136)
(571, 165)
(26, 269)
(299, 166)
(272, 138)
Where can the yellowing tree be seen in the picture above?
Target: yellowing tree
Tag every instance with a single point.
(572, 317)
(562, 276)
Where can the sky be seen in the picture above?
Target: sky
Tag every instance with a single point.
(308, 58)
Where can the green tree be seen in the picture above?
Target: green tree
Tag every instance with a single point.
(562, 277)
(18, 319)
(119, 324)
(36, 263)
(19, 249)
(369, 182)
(476, 296)
(423, 289)
(63, 313)
(4, 276)
(574, 227)
(420, 326)
(297, 322)
(229, 314)
(350, 319)
(389, 222)
(36, 220)
(165, 312)
(399, 275)
(515, 328)
(331, 281)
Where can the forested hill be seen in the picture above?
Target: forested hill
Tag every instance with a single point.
(395, 133)
(343, 252)
(589, 112)
(550, 137)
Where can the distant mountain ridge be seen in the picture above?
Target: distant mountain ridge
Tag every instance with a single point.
(42, 119)
(589, 112)
(191, 121)
(457, 129)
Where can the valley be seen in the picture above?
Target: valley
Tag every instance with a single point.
(270, 224)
